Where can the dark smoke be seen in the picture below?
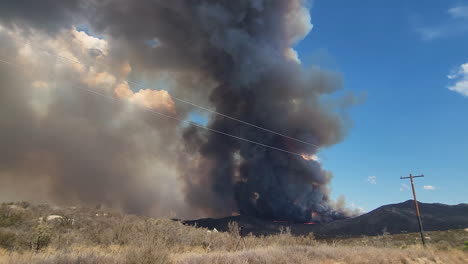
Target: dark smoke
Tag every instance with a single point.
(236, 56)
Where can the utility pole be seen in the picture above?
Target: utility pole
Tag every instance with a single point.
(416, 206)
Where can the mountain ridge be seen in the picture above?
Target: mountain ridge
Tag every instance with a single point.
(391, 218)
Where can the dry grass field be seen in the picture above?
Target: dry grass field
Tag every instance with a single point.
(83, 235)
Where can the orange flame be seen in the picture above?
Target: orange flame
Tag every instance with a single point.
(315, 215)
(310, 157)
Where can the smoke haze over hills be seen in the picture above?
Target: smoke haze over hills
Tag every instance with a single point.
(238, 57)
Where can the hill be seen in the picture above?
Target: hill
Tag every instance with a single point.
(392, 218)
(42, 234)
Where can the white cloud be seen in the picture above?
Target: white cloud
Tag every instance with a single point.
(429, 187)
(404, 187)
(455, 24)
(430, 33)
(460, 76)
(372, 179)
(459, 11)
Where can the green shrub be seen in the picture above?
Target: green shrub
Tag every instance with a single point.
(7, 239)
(42, 237)
(11, 217)
(24, 204)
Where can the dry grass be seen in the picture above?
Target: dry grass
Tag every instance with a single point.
(323, 254)
(100, 236)
(440, 240)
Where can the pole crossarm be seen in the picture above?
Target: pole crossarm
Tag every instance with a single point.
(411, 176)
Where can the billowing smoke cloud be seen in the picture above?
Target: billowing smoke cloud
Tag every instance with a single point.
(236, 56)
(63, 144)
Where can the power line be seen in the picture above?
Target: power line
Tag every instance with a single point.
(232, 118)
(11, 64)
(148, 109)
(187, 102)
(194, 124)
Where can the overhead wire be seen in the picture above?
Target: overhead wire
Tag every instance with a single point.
(148, 109)
(232, 118)
(187, 102)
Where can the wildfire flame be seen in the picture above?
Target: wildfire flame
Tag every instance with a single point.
(310, 157)
(315, 215)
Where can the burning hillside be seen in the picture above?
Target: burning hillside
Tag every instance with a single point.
(392, 218)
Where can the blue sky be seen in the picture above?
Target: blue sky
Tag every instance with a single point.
(400, 54)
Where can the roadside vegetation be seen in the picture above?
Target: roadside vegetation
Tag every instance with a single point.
(45, 234)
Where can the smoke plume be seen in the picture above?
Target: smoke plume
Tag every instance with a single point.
(236, 56)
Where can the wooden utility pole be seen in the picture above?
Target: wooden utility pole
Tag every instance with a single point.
(416, 206)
